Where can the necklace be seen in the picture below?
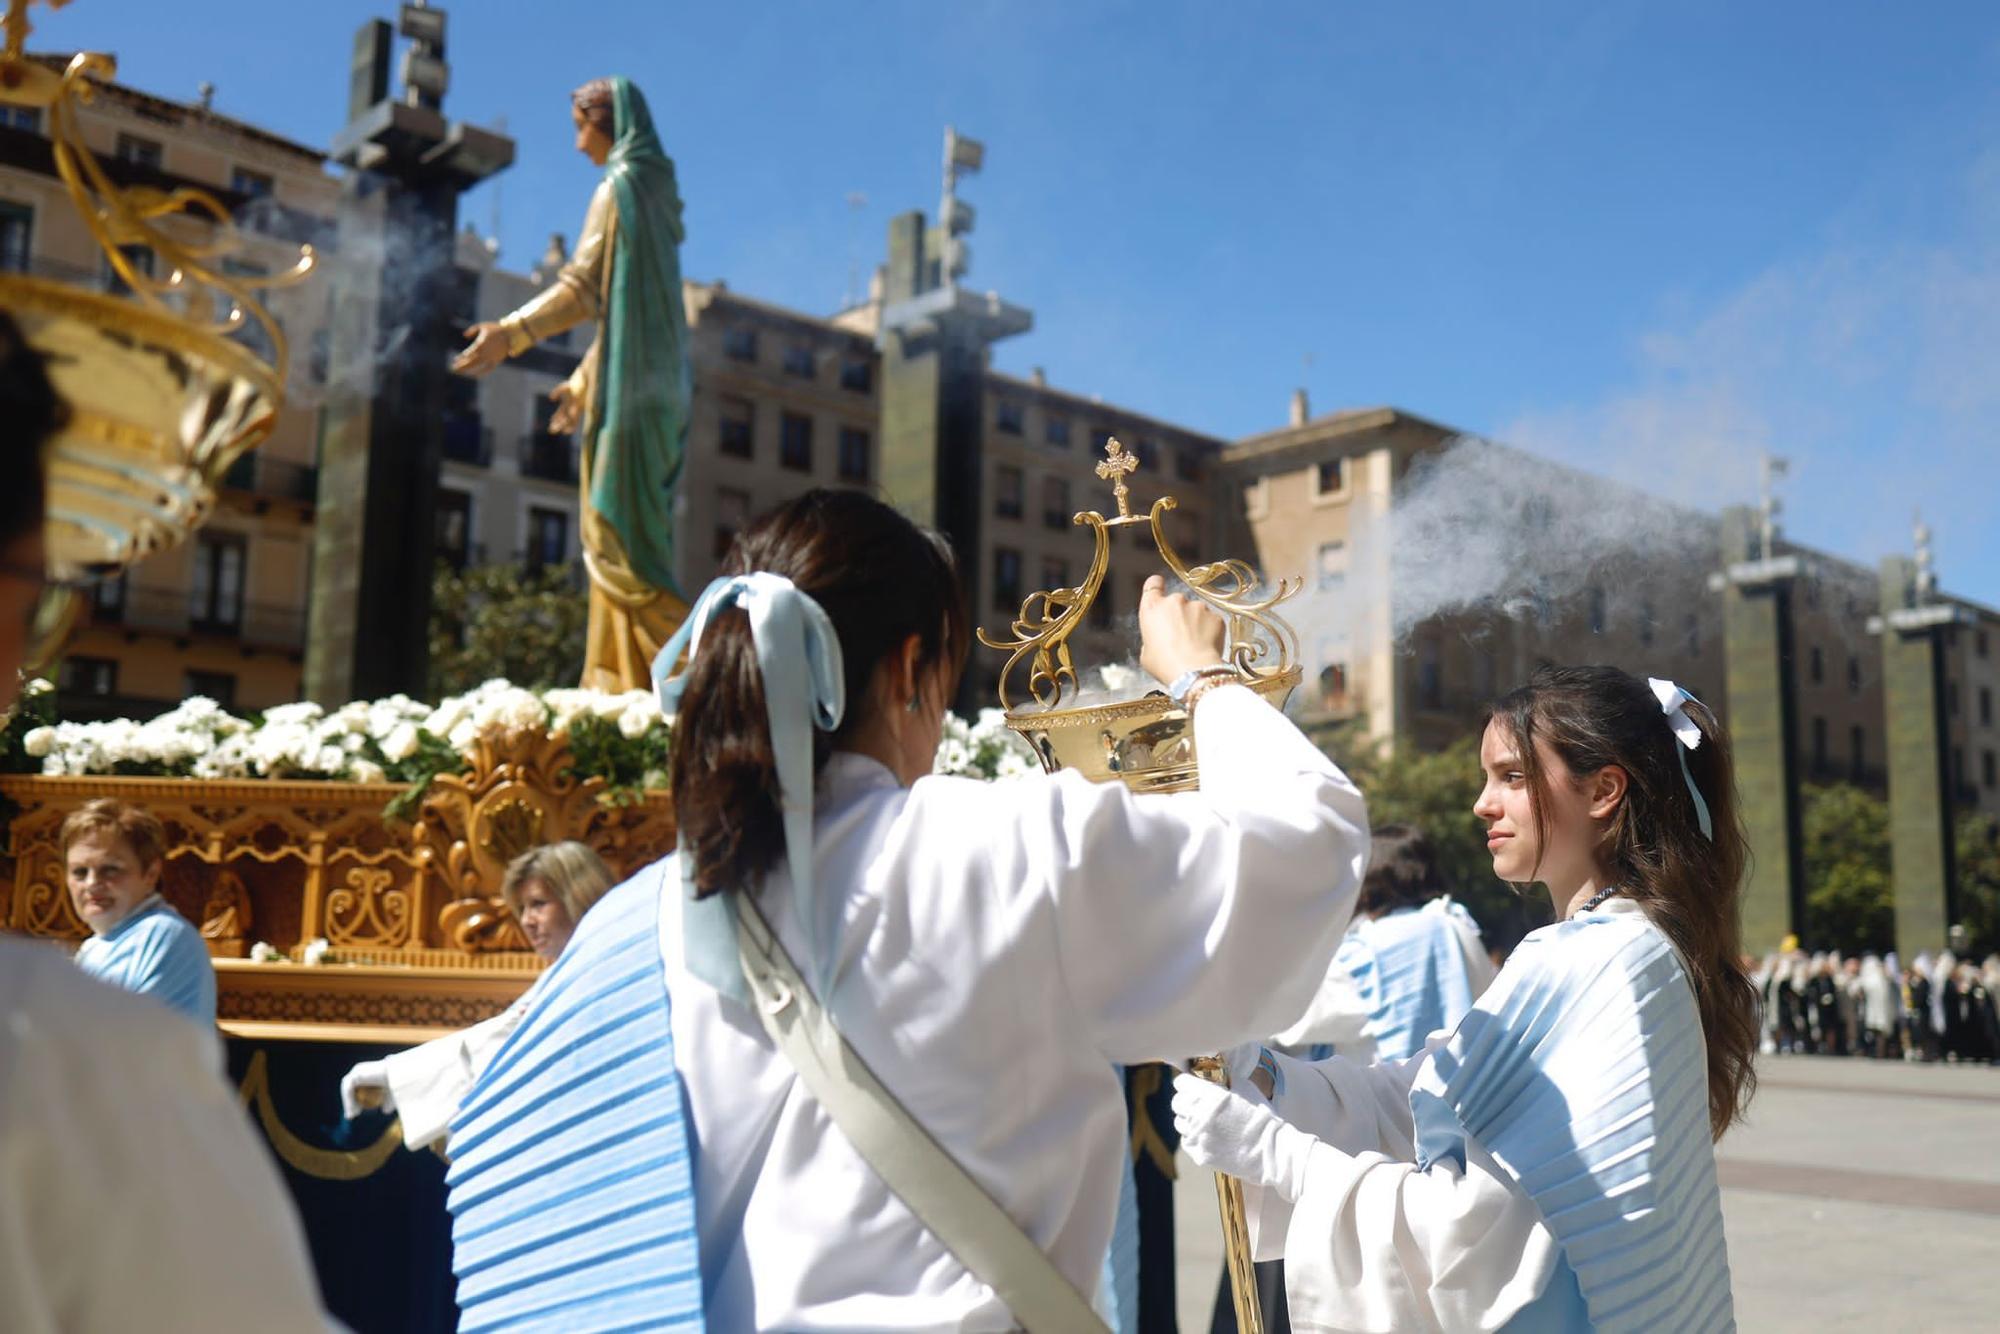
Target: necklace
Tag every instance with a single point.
(1595, 899)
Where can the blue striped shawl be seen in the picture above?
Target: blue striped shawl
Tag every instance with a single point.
(572, 1192)
(1410, 969)
(1582, 1070)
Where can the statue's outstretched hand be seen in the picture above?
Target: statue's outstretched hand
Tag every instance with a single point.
(569, 410)
(487, 350)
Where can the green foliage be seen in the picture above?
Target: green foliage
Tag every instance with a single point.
(628, 765)
(1435, 791)
(433, 756)
(1850, 903)
(507, 621)
(1978, 847)
(35, 707)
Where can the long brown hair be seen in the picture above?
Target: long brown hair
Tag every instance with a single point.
(881, 579)
(1689, 884)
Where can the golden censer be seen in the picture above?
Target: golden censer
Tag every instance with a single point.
(1147, 742)
(162, 396)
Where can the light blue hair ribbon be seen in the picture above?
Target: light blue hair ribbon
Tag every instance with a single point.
(798, 654)
(1673, 703)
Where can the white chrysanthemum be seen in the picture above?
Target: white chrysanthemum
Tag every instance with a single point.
(401, 743)
(634, 723)
(39, 742)
(367, 771)
(607, 706)
(302, 714)
(330, 760)
(463, 735)
(40, 685)
(317, 951)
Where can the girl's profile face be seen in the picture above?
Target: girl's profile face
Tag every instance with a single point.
(1506, 806)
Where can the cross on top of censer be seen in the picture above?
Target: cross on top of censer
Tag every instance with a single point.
(1117, 463)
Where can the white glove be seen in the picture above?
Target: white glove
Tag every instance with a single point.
(366, 1086)
(1237, 1134)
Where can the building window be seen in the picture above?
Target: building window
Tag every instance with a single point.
(1816, 665)
(218, 686)
(22, 118)
(141, 260)
(1958, 766)
(1330, 477)
(857, 375)
(1951, 698)
(1333, 687)
(1055, 572)
(252, 334)
(1430, 676)
(215, 597)
(1986, 767)
(1853, 675)
(548, 537)
(853, 455)
(1332, 566)
(736, 428)
(1985, 706)
(1101, 609)
(1148, 454)
(1008, 486)
(1006, 579)
(1100, 438)
(17, 233)
(795, 442)
(140, 152)
(454, 526)
(799, 361)
(1857, 751)
(1692, 634)
(1648, 623)
(1600, 611)
(1819, 743)
(88, 676)
(1256, 499)
(732, 511)
(1008, 417)
(1056, 511)
(251, 184)
(1055, 431)
(1979, 643)
(1187, 465)
(107, 599)
(739, 344)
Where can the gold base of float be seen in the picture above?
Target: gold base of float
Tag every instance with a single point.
(420, 942)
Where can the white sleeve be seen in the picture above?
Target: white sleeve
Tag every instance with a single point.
(428, 1081)
(1337, 1016)
(129, 1168)
(1352, 1106)
(1187, 923)
(1379, 1245)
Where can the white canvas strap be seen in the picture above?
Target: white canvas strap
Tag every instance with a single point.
(924, 1175)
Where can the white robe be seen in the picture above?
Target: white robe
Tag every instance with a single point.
(133, 1193)
(1377, 1243)
(429, 1080)
(995, 949)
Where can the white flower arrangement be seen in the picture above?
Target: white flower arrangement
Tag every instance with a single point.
(983, 748)
(265, 952)
(317, 953)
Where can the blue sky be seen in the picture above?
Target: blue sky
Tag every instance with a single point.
(1648, 240)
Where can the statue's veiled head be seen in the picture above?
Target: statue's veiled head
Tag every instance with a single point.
(613, 123)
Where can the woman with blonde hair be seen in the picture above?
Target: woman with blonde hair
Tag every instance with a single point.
(548, 889)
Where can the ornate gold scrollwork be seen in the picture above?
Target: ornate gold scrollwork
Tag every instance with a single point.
(367, 911)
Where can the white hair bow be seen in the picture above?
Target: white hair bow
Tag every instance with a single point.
(1673, 703)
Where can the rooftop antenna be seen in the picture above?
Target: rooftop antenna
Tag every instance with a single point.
(961, 155)
(493, 223)
(1927, 580)
(1769, 506)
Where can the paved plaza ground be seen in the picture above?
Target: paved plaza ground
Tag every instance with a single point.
(1861, 1195)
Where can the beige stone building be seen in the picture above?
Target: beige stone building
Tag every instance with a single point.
(222, 615)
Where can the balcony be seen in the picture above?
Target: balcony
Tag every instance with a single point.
(273, 478)
(170, 611)
(466, 441)
(549, 457)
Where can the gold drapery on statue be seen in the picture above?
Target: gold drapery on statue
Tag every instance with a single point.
(629, 618)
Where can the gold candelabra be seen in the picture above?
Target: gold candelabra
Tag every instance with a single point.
(162, 398)
(1148, 743)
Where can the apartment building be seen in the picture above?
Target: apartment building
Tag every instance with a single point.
(223, 614)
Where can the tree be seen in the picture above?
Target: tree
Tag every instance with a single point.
(526, 625)
(1850, 898)
(1434, 792)
(1978, 839)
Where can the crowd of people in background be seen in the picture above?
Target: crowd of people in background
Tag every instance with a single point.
(1935, 1008)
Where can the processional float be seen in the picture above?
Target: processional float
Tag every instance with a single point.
(1147, 743)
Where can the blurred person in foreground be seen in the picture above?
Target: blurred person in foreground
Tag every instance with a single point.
(113, 853)
(548, 890)
(126, 1167)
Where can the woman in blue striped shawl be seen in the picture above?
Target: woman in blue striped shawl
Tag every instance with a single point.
(1548, 1164)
